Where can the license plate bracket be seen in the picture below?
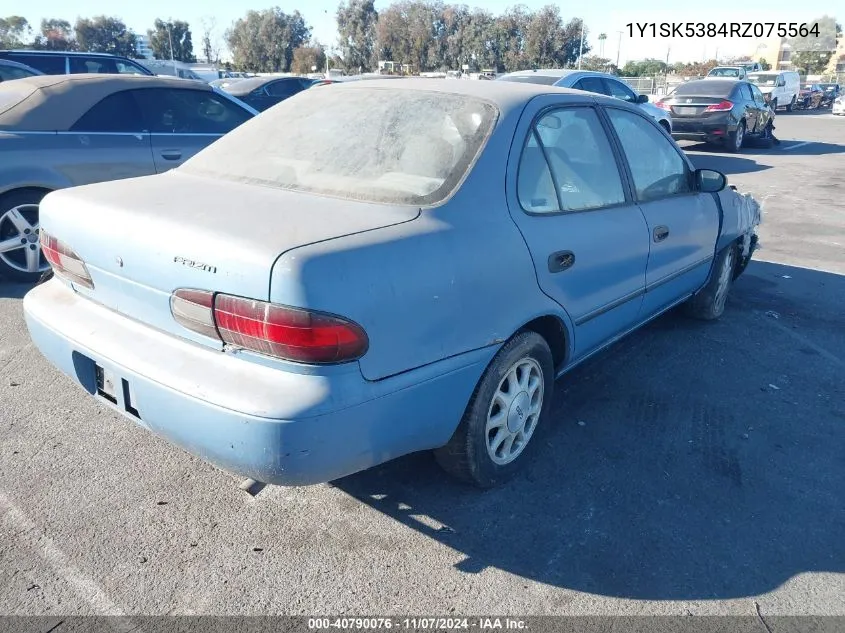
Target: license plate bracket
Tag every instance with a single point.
(106, 383)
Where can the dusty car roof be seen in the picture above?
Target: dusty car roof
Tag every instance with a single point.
(544, 72)
(504, 94)
(48, 103)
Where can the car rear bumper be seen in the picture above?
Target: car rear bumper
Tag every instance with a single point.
(274, 426)
(698, 130)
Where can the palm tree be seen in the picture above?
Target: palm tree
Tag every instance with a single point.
(602, 38)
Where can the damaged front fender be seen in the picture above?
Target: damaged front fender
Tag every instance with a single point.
(741, 214)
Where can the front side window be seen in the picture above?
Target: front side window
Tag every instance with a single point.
(656, 166)
(620, 91)
(405, 146)
(186, 111)
(117, 113)
(567, 164)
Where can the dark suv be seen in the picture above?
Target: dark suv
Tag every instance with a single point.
(65, 63)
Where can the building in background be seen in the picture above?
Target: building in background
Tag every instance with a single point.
(142, 47)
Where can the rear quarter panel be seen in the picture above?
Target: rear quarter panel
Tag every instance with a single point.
(456, 279)
(23, 164)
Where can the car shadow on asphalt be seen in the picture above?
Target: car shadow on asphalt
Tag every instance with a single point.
(13, 290)
(728, 165)
(690, 461)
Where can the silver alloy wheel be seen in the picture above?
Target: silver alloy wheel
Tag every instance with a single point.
(739, 136)
(19, 247)
(514, 411)
(724, 281)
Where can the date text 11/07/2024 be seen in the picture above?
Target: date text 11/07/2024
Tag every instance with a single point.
(723, 29)
(417, 624)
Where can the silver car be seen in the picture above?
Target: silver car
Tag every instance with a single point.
(60, 131)
(591, 81)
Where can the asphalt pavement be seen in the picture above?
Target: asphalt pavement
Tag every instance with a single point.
(694, 468)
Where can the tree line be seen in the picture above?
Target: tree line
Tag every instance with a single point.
(104, 34)
(427, 35)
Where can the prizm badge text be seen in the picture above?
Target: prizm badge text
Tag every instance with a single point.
(194, 264)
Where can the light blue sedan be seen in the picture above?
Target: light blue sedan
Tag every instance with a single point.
(591, 81)
(400, 266)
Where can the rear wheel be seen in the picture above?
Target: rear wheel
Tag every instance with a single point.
(736, 139)
(507, 411)
(20, 251)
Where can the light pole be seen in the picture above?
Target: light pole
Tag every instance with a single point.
(618, 48)
(581, 45)
(170, 38)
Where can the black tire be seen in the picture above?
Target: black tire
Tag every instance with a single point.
(8, 202)
(791, 105)
(708, 303)
(736, 140)
(766, 138)
(774, 104)
(466, 456)
(665, 126)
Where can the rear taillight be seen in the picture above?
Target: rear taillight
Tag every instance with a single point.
(64, 261)
(194, 309)
(720, 107)
(294, 334)
(663, 105)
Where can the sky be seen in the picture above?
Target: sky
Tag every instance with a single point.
(600, 16)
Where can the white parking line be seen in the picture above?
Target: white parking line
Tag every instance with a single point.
(797, 145)
(85, 587)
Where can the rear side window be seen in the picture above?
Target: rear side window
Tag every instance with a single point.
(116, 113)
(48, 64)
(7, 73)
(286, 88)
(181, 111)
(591, 84)
(567, 164)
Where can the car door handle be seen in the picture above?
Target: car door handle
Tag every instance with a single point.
(660, 233)
(561, 261)
(171, 154)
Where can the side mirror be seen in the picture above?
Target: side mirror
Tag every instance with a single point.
(710, 180)
(642, 99)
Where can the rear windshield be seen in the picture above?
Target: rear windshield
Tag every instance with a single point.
(546, 80)
(356, 142)
(724, 72)
(706, 88)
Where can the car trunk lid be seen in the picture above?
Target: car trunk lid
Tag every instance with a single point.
(143, 238)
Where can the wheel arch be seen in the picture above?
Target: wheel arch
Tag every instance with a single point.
(25, 189)
(554, 331)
